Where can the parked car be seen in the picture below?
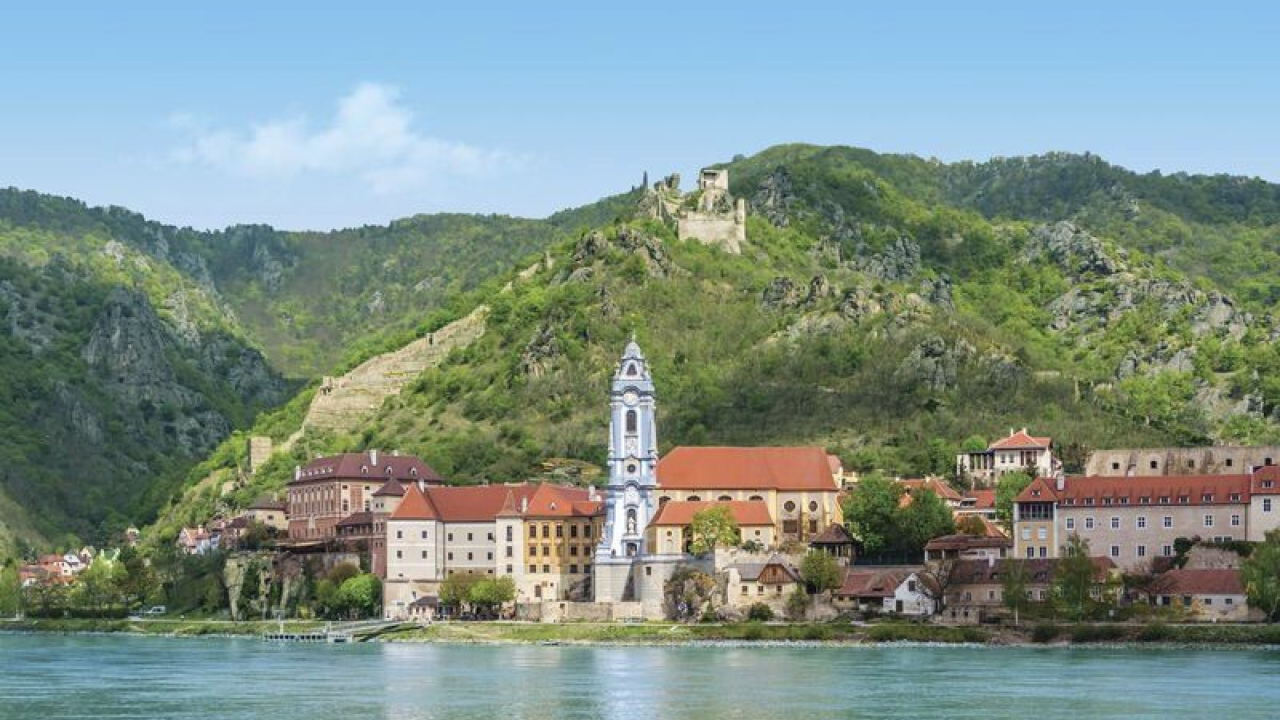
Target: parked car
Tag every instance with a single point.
(157, 610)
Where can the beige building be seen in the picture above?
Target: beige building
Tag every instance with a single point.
(548, 540)
(769, 582)
(669, 531)
(1205, 594)
(796, 484)
(270, 512)
(1133, 520)
(1018, 452)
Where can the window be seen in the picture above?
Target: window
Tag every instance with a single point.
(1142, 551)
(424, 554)
(573, 569)
(546, 569)
(490, 555)
(533, 531)
(1115, 522)
(1208, 521)
(1154, 464)
(1115, 551)
(424, 534)
(469, 537)
(1142, 522)
(1042, 534)
(510, 532)
(789, 506)
(533, 569)
(1235, 521)
(573, 531)
(813, 506)
(490, 537)
(573, 550)
(1044, 551)
(400, 534)
(1266, 504)
(1207, 498)
(1166, 550)
(1031, 552)
(510, 551)
(399, 555)
(1026, 532)
(991, 594)
(631, 421)
(586, 533)
(508, 569)
(1088, 523)
(1230, 462)
(1115, 466)
(1071, 523)
(724, 498)
(450, 537)
(546, 530)
(559, 530)
(1166, 521)
(449, 557)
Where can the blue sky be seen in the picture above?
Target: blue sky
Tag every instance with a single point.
(307, 115)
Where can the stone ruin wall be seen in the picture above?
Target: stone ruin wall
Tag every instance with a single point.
(1217, 460)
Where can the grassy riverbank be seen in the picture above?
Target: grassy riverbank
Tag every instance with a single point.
(658, 633)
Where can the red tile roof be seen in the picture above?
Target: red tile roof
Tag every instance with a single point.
(414, 506)
(982, 499)
(1266, 480)
(484, 503)
(1218, 581)
(1020, 440)
(967, 542)
(361, 466)
(680, 512)
(939, 488)
(1197, 489)
(746, 468)
(266, 502)
(872, 583)
(391, 488)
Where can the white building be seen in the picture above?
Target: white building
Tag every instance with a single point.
(1018, 452)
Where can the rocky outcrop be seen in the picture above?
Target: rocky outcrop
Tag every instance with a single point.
(899, 260)
(596, 246)
(775, 198)
(1071, 248)
(934, 364)
(540, 352)
(780, 294)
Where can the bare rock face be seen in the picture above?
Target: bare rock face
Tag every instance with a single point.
(1071, 248)
(780, 294)
(775, 198)
(938, 292)
(934, 364)
(899, 260)
(595, 246)
(540, 353)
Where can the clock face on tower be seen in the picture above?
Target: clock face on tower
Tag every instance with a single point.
(630, 398)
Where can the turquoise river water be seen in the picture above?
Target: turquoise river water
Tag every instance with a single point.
(54, 677)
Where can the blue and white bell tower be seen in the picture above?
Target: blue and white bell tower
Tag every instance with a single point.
(633, 461)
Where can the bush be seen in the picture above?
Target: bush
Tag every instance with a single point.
(816, 632)
(760, 612)
(1155, 632)
(753, 631)
(1096, 633)
(1044, 632)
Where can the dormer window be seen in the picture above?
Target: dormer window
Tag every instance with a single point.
(1088, 501)
(1207, 497)
(413, 471)
(1106, 501)
(1183, 499)
(364, 469)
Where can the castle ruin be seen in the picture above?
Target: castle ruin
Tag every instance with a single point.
(710, 214)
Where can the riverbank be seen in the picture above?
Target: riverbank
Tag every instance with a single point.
(656, 633)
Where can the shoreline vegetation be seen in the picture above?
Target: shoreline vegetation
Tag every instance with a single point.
(586, 633)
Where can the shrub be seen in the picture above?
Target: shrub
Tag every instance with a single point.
(816, 632)
(1096, 633)
(1155, 632)
(1044, 632)
(753, 631)
(760, 612)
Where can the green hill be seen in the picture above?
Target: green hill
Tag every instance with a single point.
(886, 307)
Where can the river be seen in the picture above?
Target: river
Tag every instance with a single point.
(56, 677)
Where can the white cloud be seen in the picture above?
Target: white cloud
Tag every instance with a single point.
(371, 137)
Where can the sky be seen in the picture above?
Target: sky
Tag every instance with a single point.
(316, 115)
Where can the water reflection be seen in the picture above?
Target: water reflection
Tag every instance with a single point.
(63, 677)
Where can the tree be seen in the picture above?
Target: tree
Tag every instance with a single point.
(971, 525)
(711, 528)
(137, 581)
(923, 519)
(492, 593)
(1076, 578)
(360, 596)
(936, 579)
(96, 587)
(1008, 487)
(797, 605)
(455, 591)
(688, 593)
(10, 590)
(760, 612)
(1013, 588)
(872, 510)
(1260, 573)
(820, 572)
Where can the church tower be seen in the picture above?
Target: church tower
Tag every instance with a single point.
(633, 461)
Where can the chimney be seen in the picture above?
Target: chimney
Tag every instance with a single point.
(297, 472)
(422, 485)
(991, 561)
(1060, 481)
(524, 505)
(373, 456)
(591, 493)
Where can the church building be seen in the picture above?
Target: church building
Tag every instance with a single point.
(778, 494)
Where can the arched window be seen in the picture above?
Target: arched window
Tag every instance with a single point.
(694, 498)
(724, 498)
(663, 500)
(756, 498)
(631, 370)
(631, 421)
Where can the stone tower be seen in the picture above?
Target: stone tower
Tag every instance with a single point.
(633, 460)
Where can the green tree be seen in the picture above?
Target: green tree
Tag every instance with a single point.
(1076, 578)
(360, 596)
(96, 588)
(490, 594)
(1013, 587)
(872, 512)
(923, 519)
(10, 589)
(137, 581)
(971, 525)
(797, 607)
(1260, 573)
(1008, 487)
(711, 528)
(455, 591)
(820, 572)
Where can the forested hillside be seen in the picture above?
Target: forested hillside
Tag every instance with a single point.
(887, 307)
(132, 349)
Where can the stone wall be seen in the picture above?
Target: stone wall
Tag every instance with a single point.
(1149, 462)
